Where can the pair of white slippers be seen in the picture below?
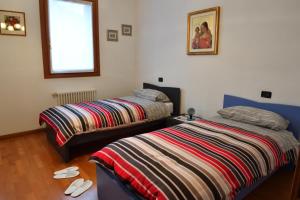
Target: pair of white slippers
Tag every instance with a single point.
(77, 187)
(69, 172)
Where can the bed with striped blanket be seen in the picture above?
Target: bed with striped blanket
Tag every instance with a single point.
(74, 119)
(198, 160)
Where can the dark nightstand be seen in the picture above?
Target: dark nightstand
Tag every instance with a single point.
(175, 120)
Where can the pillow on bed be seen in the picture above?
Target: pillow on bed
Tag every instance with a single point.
(255, 116)
(152, 95)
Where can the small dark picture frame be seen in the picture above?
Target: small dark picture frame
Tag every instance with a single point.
(126, 30)
(112, 35)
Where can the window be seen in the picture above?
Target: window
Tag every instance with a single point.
(70, 38)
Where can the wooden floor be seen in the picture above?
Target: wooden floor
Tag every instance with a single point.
(28, 162)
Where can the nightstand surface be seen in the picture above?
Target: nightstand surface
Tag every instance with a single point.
(184, 118)
(175, 120)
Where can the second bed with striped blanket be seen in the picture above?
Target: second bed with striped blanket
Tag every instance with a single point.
(71, 119)
(197, 160)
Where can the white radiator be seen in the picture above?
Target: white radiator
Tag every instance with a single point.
(75, 97)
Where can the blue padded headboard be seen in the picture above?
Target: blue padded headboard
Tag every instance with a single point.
(291, 113)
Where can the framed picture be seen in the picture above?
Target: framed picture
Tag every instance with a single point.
(112, 35)
(203, 32)
(126, 30)
(12, 23)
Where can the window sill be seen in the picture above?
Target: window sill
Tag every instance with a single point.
(71, 75)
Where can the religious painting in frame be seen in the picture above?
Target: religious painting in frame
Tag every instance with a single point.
(203, 32)
(12, 23)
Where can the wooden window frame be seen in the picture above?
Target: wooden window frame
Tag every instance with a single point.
(45, 36)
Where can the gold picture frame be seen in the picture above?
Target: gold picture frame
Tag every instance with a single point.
(203, 32)
(12, 23)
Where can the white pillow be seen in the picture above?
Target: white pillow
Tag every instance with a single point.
(255, 116)
(152, 95)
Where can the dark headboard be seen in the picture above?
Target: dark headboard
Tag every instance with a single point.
(172, 92)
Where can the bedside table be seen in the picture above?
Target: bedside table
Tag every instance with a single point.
(175, 120)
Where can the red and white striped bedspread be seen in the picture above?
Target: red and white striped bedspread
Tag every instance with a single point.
(197, 160)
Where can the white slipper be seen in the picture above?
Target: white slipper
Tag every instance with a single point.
(74, 185)
(66, 170)
(66, 175)
(81, 189)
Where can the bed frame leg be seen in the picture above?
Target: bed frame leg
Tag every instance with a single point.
(63, 151)
(65, 154)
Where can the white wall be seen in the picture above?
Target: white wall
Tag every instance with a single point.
(24, 93)
(259, 50)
